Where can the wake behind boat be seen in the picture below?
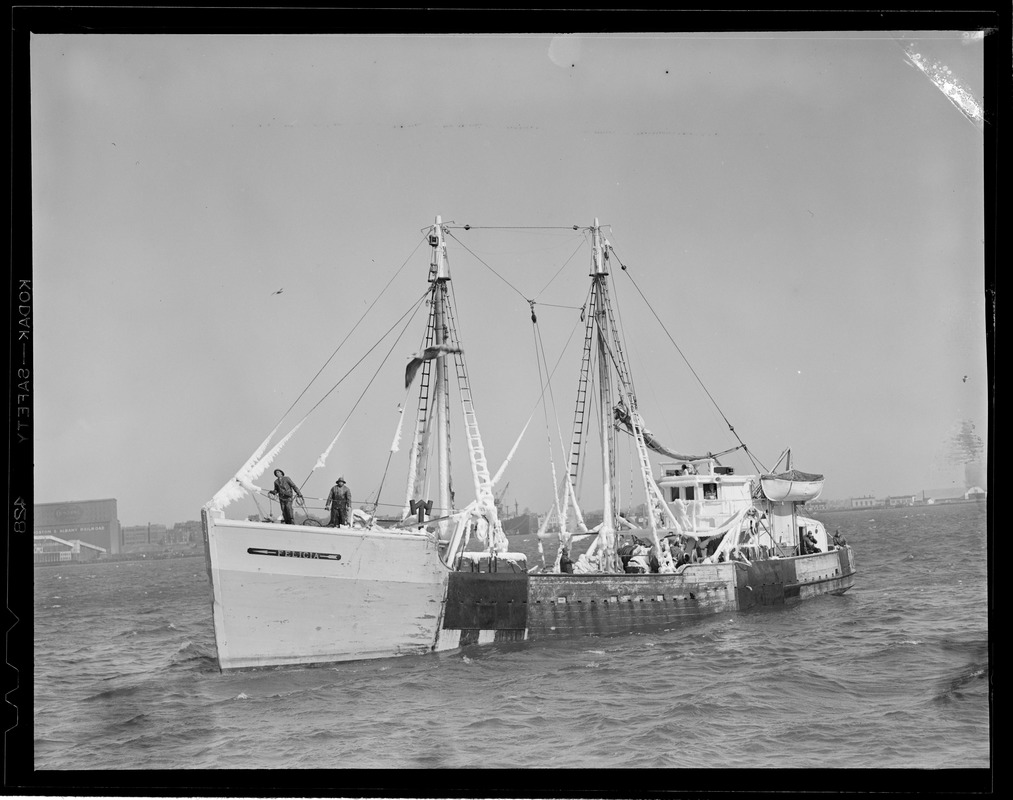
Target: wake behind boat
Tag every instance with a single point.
(711, 541)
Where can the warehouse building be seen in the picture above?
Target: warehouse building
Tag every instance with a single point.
(93, 522)
(53, 550)
(137, 538)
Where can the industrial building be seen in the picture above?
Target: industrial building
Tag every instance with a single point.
(53, 550)
(93, 522)
(142, 537)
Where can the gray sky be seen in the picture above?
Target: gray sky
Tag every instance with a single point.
(804, 211)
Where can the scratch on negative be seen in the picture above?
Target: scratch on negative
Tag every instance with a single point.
(949, 85)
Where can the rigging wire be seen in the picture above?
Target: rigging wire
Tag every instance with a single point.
(618, 321)
(526, 299)
(411, 311)
(487, 266)
(390, 455)
(539, 358)
(576, 250)
(646, 373)
(650, 385)
(545, 411)
(556, 305)
(689, 366)
(356, 325)
(411, 315)
(514, 227)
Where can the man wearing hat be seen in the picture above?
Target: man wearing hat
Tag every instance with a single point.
(339, 501)
(286, 490)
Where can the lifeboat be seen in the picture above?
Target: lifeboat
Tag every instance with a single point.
(792, 486)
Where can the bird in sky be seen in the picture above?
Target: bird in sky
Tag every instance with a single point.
(279, 291)
(965, 379)
(427, 354)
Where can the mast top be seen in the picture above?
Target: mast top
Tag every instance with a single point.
(598, 249)
(438, 270)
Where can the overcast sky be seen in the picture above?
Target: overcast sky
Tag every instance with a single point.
(803, 211)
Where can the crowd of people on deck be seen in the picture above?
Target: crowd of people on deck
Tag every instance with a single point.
(639, 556)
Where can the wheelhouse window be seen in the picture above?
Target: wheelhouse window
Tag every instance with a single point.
(710, 491)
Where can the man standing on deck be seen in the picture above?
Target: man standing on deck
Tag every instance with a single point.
(286, 490)
(340, 503)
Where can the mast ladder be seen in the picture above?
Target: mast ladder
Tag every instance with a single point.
(580, 410)
(476, 450)
(422, 420)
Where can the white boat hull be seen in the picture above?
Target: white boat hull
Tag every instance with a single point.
(299, 594)
(283, 597)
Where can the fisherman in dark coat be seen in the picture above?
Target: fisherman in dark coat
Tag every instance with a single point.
(565, 564)
(286, 490)
(339, 501)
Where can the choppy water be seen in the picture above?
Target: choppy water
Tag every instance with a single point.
(892, 674)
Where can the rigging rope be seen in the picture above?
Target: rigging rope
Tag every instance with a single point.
(559, 435)
(545, 412)
(690, 366)
(484, 264)
(410, 314)
(622, 332)
(411, 311)
(529, 300)
(514, 227)
(356, 325)
(578, 248)
(391, 452)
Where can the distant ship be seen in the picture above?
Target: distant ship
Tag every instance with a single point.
(518, 524)
(521, 525)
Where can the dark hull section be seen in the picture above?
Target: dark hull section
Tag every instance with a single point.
(786, 580)
(603, 605)
(524, 525)
(502, 607)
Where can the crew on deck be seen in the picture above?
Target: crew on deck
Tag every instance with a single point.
(339, 501)
(286, 491)
(565, 564)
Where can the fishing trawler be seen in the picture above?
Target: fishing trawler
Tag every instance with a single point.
(712, 540)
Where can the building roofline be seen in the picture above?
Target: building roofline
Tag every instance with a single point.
(70, 542)
(68, 502)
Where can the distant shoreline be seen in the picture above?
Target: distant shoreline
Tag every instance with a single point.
(135, 557)
(122, 558)
(939, 504)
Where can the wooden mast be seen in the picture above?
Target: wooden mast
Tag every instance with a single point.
(440, 275)
(606, 535)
